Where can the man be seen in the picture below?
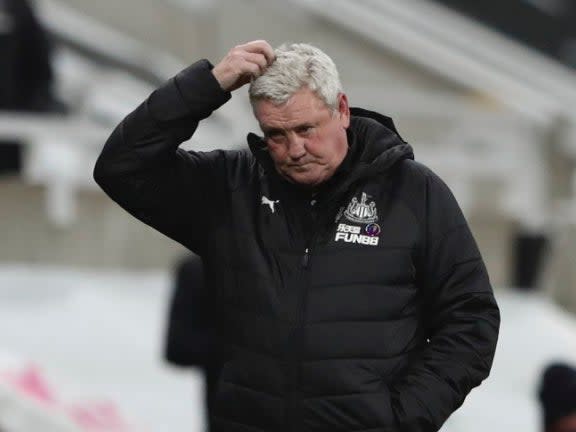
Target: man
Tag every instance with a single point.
(350, 289)
(557, 394)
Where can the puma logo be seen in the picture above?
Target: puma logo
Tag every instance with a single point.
(267, 201)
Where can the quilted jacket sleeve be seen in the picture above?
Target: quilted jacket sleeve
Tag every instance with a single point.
(462, 319)
(144, 171)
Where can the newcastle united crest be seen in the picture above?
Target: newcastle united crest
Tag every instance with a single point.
(361, 212)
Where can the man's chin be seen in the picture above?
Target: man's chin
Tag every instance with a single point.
(304, 179)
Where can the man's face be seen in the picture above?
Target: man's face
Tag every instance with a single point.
(306, 140)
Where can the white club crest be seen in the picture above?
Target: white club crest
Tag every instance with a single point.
(267, 201)
(361, 212)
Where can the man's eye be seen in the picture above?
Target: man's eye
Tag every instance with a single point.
(305, 129)
(272, 135)
(275, 137)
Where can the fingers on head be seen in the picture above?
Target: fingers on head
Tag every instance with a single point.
(258, 59)
(260, 47)
(245, 62)
(253, 68)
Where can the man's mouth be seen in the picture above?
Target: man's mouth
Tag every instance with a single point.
(299, 166)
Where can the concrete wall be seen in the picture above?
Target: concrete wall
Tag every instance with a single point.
(187, 33)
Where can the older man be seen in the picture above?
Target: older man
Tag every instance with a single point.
(350, 289)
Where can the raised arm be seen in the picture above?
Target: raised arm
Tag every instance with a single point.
(141, 166)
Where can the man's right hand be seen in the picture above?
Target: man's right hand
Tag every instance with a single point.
(243, 63)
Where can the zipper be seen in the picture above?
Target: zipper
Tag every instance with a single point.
(294, 408)
(306, 258)
(295, 396)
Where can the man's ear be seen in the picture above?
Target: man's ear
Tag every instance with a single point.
(344, 110)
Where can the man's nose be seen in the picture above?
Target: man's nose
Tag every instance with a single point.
(296, 146)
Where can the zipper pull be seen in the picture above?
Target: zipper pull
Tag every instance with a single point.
(306, 258)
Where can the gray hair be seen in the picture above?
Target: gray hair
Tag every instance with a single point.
(298, 65)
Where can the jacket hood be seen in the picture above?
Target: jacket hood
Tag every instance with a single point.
(375, 143)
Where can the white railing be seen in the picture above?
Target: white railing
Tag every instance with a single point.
(106, 43)
(59, 152)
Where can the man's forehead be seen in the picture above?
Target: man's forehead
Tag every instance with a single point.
(286, 124)
(294, 112)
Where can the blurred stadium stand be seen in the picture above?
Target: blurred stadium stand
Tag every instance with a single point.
(545, 25)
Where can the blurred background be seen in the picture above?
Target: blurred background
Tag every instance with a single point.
(485, 91)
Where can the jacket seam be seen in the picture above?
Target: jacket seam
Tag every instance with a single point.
(367, 320)
(245, 387)
(344, 395)
(358, 357)
(379, 285)
(458, 264)
(437, 242)
(253, 351)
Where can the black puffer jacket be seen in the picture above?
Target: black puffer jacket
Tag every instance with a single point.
(365, 308)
